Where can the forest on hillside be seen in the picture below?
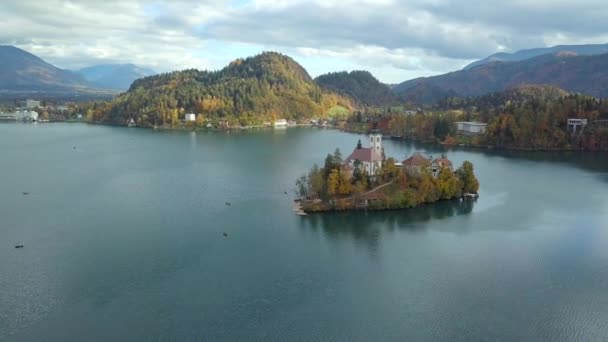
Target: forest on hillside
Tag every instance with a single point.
(359, 85)
(249, 91)
(531, 117)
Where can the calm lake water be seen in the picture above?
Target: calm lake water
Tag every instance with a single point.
(123, 233)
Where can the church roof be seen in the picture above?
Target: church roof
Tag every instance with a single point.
(364, 154)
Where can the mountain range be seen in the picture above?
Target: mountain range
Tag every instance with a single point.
(581, 50)
(114, 76)
(575, 68)
(586, 74)
(22, 72)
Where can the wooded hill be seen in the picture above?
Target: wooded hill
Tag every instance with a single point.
(247, 92)
(359, 85)
(529, 117)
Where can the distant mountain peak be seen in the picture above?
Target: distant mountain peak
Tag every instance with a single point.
(566, 53)
(586, 74)
(115, 76)
(21, 71)
(581, 50)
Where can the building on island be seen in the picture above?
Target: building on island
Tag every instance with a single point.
(417, 163)
(190, 117)
(369, 159)
(470, 127)
(280, 123)
(440, 163)
(29, 104)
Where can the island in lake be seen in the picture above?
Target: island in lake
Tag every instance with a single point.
(367, 180)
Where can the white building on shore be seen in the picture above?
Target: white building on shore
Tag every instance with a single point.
(26, 115)
(190, 117)
(280, 123)
(470, 127)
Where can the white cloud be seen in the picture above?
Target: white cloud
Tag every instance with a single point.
(398, 38)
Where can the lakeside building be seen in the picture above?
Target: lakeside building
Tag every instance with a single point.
(470, 127)
(280, 123)
(29, 103)
(573, 124)
(369, 159)
(190, 117)
(26, 115)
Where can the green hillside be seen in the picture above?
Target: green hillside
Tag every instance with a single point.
(246, 92)
(359, 85)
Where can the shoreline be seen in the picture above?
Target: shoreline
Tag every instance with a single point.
(210, 129)
(345, 130)
(481, 147)
(360, 208)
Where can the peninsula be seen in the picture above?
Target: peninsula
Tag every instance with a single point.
(367, 180)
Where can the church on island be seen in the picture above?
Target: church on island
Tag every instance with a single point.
(369, 159)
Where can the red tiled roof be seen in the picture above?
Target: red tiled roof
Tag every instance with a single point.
(416, 160)
(364, 154)
(443, 162)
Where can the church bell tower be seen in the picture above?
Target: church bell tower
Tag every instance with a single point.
(375, 142)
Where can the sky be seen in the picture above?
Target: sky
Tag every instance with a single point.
(395, 40)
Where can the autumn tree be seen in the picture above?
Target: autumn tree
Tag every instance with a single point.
(333, 182)
(316, 182)
(467, 178)
(448, 184)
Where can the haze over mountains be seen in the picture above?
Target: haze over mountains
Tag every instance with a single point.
(23, 72)
(575, 68)
(114, 76)
(581, 50)
(586, 74)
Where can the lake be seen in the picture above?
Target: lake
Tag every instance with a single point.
(123, 234)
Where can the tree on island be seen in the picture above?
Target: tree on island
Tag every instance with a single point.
(470, 184)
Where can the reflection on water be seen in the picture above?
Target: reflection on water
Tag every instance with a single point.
(370, 225)
(589, 161)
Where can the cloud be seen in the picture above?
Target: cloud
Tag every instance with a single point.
(397, 39)
(76, 34)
